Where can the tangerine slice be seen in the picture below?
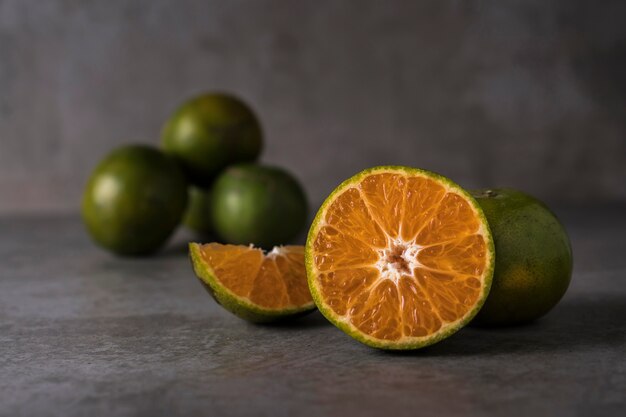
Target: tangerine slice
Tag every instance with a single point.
(399, 258)
(255, 286)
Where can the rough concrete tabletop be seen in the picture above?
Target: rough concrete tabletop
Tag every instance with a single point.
(85, 333)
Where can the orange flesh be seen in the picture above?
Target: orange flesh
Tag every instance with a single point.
(274, 281)
(399, 256)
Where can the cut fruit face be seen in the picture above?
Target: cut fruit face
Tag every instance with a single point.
(399, 258)
(252, 285)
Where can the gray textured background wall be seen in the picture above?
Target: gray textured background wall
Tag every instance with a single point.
(529, 94)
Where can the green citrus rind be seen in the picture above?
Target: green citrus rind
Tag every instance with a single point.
(209, 132)
(407, 343)
(133, 200)
(197, 217)
(239, 306)
(533, 269)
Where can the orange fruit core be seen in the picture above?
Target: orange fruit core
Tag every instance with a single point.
(399, 256)
(276, 280)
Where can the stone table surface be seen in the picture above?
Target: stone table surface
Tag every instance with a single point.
(85, 333)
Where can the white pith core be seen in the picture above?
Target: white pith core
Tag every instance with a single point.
(276, 251)
(397, 259)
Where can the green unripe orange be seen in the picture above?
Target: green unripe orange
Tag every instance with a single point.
(258, 204)
(533, 264)
(210, 132)
(134, 200)
(198, 214)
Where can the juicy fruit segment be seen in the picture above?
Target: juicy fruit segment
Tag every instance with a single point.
(134, 200)
(534, 263)
(254, 286)
(399, 258)
(209, 132)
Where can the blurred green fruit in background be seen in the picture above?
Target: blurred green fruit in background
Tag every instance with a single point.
(533, 264)
(134, 200)
(210, 132)
(198, 214)
(258, 204)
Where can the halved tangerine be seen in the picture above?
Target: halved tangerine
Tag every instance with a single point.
(399, 258)
(253, 285)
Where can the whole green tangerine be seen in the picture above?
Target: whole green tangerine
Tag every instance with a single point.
(534, 259)
(210, 132)
(133, 200)
(258, 204)
(198, 214)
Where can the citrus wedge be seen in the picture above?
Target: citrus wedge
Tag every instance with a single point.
(255, 286)
(399, 258)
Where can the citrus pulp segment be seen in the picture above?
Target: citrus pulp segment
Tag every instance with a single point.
(252, 285)
(399, 258)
